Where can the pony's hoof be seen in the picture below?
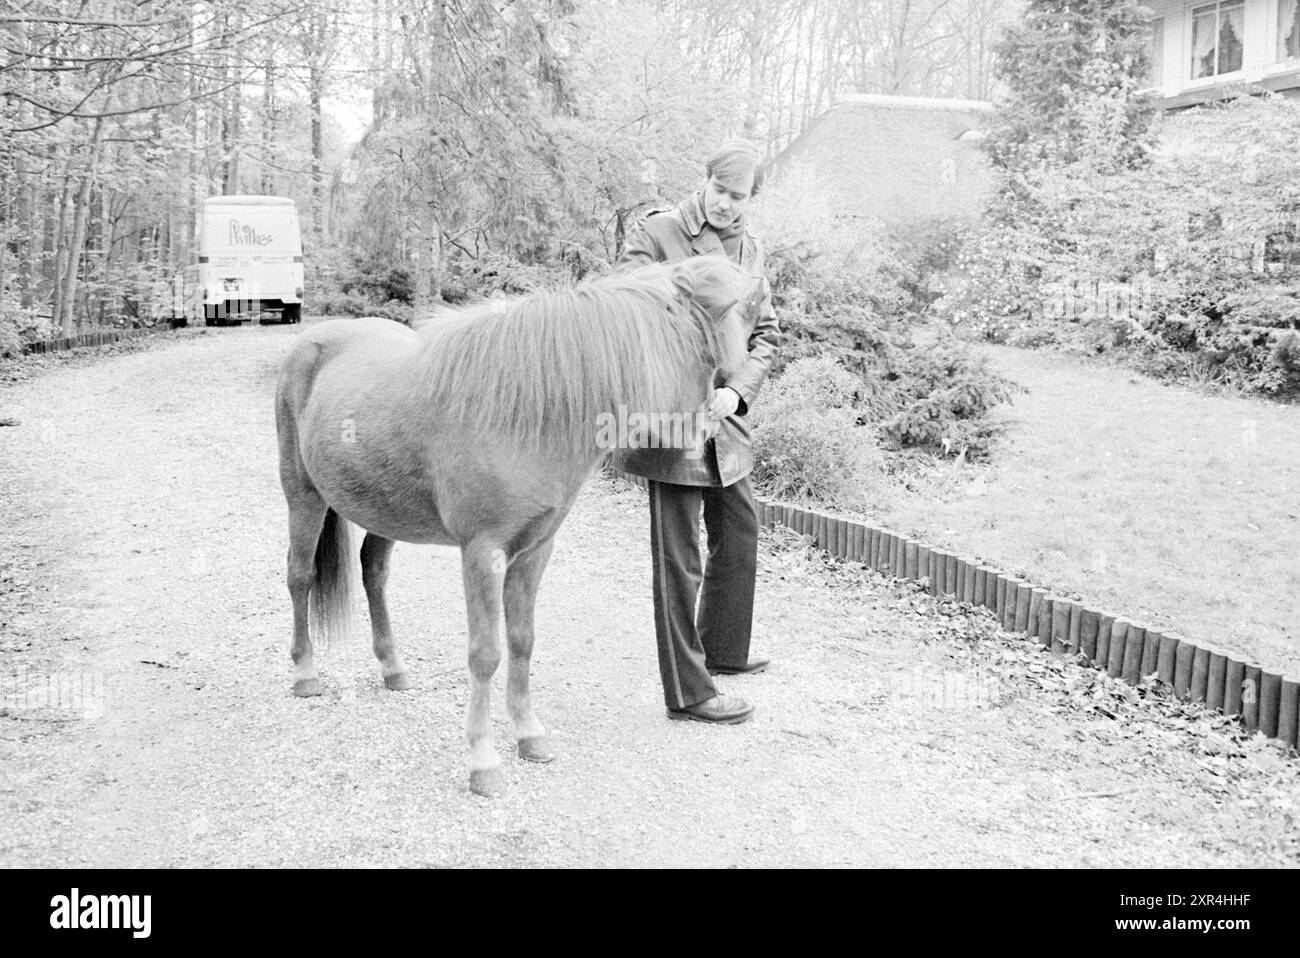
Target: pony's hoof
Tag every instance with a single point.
(488, 782)
(306, 688)
(398, 682)
(536, 749)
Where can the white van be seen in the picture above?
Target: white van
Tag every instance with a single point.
(250, 258)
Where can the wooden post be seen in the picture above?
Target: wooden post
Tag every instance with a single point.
(1118, 644)
(1134, 646)
(1200, 674)
(898, 556)
(1214, 686)
(1270, 696)
(1151, 652)
(1250, 698)
(1183, 669)
(1288, 713)
(1234, 678)
(1104, 623)
(911, 561)
(1091, 618)
(1045, 620)
(992, 581)
(1076, 628)
(1000, 606)
(951, 581)
(1036, 597)
(843, 535)
(1024, 600)
(1167, 659)
(1061, 612)
(857, 540)
(936, 571)
(923, 570)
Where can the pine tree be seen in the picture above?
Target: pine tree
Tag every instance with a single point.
(1072, 70)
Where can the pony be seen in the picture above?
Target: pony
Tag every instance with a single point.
(478, 431)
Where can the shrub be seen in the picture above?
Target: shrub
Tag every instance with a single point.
(808, 443)
(1206, 261)
(496, 273)
(343, 304)
(944, 398)
(377, 278)
(20, 326)
(936, 399)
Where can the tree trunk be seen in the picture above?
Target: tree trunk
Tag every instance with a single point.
(232, 124)
(423, 265)
(268, 126)
(80, 218)
(754, 101)
(61, 248)
(315, 85)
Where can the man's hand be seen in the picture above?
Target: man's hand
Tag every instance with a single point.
(724, 403)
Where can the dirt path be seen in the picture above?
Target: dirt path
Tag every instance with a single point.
(141, 547)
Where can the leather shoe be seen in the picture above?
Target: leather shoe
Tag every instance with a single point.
(754, 665)
(721, 710)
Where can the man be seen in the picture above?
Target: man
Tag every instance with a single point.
(691, 647)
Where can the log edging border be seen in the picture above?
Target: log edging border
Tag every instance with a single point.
(1266, 700)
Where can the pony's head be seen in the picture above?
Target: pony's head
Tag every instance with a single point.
(726, 301)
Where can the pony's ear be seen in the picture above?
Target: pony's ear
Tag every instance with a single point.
(683, 278)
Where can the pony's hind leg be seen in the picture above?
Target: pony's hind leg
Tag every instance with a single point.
(375, 553)
(520, 593)
(483, 569)
(306, 517)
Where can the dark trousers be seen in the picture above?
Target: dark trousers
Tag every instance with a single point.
(719, 633)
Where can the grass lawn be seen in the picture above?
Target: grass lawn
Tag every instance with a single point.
(1159, 502)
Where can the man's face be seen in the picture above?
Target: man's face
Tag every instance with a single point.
(725, 199)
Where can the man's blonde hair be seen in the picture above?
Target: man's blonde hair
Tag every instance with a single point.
(735, 159)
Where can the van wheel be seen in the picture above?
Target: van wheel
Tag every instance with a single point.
(291, 313)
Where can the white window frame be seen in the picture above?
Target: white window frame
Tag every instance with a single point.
(1275, 60)
(1189, 46)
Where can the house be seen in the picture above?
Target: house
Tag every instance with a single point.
(1205, 51)
(894, 159)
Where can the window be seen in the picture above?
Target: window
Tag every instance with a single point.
(1216, 38)
(1157, 52)
(1288, 29)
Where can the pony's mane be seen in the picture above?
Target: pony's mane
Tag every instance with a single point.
(538, 370)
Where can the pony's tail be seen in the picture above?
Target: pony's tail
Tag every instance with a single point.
(330, 615)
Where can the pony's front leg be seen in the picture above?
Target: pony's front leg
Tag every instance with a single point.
(522, 579)
(483, 569)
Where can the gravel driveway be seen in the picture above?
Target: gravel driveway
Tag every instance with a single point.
(142, 538)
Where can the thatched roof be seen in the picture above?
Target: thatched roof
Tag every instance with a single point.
(895, 159)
